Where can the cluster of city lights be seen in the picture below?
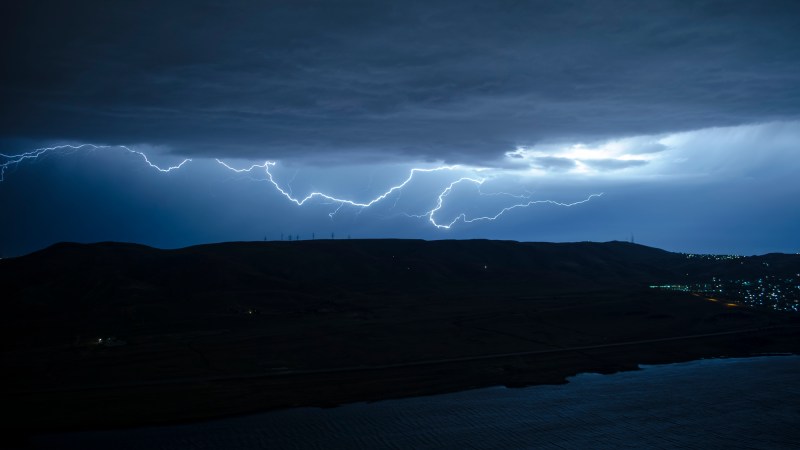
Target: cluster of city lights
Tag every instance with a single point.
(780, 293)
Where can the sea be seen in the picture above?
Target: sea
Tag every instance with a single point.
(714, 403)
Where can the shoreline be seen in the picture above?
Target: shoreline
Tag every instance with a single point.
(719, 403)
(152, 405)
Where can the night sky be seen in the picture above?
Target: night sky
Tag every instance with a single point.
(684, 115)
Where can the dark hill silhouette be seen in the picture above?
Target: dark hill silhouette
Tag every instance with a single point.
(226, 328)
(111, 272)
(404, 265)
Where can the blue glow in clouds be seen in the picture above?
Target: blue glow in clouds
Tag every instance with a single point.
(438, 197)
(429, 214)
(720, 190)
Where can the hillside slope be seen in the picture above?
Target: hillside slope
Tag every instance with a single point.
(227, 328)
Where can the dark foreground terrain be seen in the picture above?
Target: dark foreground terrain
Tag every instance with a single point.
(109, 335)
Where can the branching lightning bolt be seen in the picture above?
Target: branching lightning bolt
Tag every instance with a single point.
(14, 160)
(342, 201)
(398, 188)
(11, 161)
(479, 181)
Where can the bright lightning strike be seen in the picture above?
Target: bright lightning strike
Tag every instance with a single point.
(341, 201)
(11, 161)
(398, 188)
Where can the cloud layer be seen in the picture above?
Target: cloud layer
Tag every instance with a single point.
(461, 82)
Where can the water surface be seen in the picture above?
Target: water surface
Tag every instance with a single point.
(729, 403)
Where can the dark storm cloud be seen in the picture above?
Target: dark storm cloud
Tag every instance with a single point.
(460, 81)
